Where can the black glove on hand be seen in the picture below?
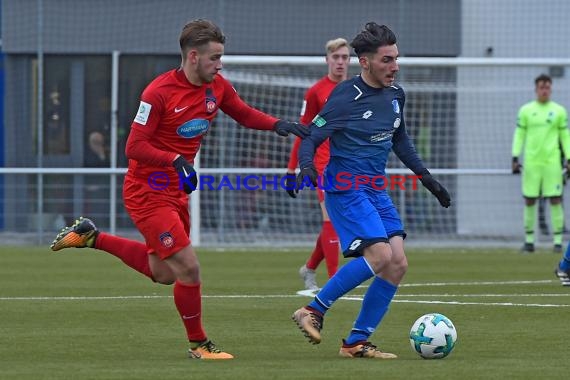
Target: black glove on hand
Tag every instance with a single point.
(567, 176)
(283, 128)
(290, 184)
(308, 172)
(516, 166)
(436, 189)
(186, 174)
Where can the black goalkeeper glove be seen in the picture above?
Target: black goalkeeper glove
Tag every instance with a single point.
(436, 189)
(290, 184)
(516, 166)
(283, 128)
(186, 174)
(309, 173)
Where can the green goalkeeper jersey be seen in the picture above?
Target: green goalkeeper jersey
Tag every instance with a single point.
(541, 128)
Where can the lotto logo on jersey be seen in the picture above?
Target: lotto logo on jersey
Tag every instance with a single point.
(319, 121)
(143, 113)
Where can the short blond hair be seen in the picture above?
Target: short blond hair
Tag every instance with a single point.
(334, 45)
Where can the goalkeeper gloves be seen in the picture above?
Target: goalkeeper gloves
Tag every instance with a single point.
(186, 174)
(290, 184)
(516, 166)
(436, 189)
(283, 128)
(309, 173)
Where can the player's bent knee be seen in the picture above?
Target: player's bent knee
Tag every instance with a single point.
(378, 255)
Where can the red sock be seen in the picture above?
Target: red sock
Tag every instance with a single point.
(131, 252)
(329, 244)
(188, 300)
(317, 256)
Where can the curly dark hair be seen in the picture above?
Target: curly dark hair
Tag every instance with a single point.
(371, 38)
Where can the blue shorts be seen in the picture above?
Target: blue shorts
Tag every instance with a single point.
(362, 218)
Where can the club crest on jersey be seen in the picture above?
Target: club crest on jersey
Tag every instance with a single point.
(396, 106)
(210, 101)
(193, 128)
(166, 239)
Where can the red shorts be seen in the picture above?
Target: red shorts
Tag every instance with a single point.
(161, 216)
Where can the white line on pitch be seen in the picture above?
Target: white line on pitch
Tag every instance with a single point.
(477, 283)
(350, 298)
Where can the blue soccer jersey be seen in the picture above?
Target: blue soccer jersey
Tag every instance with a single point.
(364, 123)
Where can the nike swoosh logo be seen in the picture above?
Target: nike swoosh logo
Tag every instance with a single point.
(176, 110)
(191, 316)
(185, 172)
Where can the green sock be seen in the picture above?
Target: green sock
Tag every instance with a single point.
(529, 220)
(557, 219)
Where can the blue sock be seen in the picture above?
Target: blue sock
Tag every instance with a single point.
(374, 306)
(347, 278)
(565, 262)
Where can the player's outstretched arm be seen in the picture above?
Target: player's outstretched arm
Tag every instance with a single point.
(436, 188)
(406, 152)
(291, 184)
(290, 179)
(284, 128)
(307, 176)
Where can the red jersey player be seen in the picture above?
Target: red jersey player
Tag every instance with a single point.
(175, 112)
(326, 248)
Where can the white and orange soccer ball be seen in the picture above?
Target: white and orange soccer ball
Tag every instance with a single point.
(433, 336)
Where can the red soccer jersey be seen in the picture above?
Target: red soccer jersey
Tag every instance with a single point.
(315, 99)
(173, 117)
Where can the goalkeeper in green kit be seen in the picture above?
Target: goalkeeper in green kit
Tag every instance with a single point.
(542, 128)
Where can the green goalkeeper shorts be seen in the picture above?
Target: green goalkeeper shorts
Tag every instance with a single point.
(539, 180)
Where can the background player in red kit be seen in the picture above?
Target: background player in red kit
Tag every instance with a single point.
(175, 112)
(327, 247)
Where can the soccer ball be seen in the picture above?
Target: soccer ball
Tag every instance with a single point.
(433, 336)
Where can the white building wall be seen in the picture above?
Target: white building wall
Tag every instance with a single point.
(489, 99)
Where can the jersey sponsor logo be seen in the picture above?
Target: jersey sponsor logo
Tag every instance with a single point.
(143, 113)
(210, 101)
(193, 128)
(367, 114)
(176, 109)
(396, 106)
(381, 136)
(303, 108)
(319, 121)
(166, 239)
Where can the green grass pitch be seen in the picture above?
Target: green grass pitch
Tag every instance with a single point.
(82, 314)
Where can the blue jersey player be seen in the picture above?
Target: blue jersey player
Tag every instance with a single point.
(364, 119)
